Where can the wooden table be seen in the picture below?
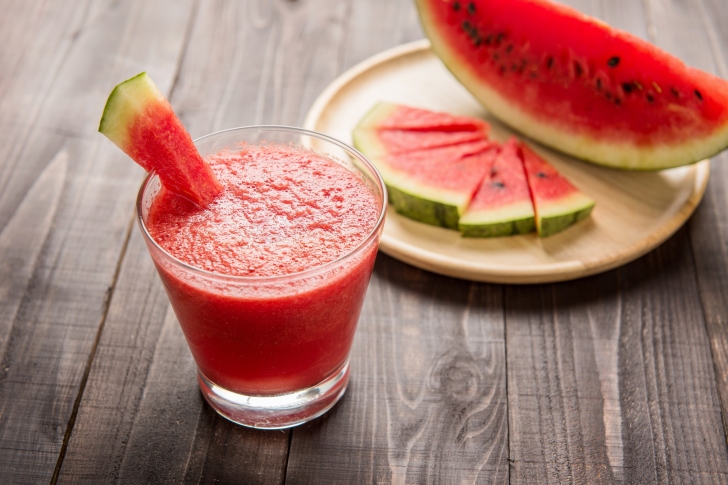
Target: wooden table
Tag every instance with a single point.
(621, 377)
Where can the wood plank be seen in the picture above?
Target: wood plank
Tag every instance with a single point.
(610, 379)
(75, 249)
(142, 393)
(709, 225)
(427, 399)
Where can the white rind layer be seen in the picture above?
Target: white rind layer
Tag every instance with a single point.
(572, 203)
(511, 212)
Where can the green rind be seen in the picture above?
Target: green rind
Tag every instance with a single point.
(499, 229)
(553, 224)
(514, 218)
(126, 101)
(423, 210)
(621, 156)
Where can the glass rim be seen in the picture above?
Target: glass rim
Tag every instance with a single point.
(289, 276)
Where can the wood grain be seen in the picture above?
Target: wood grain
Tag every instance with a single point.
(610, 379)
(709, 226)
(427, 398)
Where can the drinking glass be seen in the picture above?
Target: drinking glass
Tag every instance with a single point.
(271, 351)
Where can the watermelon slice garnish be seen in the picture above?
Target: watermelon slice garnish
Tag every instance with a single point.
(578, 85)
(558, 204)
(140, 121)
(502, 205)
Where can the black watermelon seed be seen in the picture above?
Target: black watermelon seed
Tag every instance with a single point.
(700, 96)
(599, 84)
(549, 62)
(617, 101)
(578, 70)
(489, 40)
(498, 184)
(456, 6)
(471, 8)
(675, 92)
(499, 39)
(650, 98)
(613, 61)
(476, 41)
(541, 175)
(466, 26)
(627, 87)
(509, 48)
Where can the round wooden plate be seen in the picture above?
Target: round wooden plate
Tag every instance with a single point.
(634, 213)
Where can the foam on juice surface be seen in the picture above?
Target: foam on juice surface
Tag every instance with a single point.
(282, 210)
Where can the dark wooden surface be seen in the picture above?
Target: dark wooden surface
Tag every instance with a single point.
(617, 378)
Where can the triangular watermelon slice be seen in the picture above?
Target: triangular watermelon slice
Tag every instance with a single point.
(435, 186)
(502, 205)
(558, 204)
(140, 121)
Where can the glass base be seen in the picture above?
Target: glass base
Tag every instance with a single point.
(279, 411)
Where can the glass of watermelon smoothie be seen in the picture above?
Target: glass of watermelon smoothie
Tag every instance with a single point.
(268, 281)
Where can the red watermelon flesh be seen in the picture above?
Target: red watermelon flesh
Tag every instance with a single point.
(557, 203)
(391, 116)
(391, 128)
(380, 142)
(577, 84)
(502, 205)
(140, 121)
(448, 168)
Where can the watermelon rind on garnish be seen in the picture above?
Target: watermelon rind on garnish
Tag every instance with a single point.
(557, 202)
(575, 84)
(139, 120)
(502, 205)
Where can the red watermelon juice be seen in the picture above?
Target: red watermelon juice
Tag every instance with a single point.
(268, 280)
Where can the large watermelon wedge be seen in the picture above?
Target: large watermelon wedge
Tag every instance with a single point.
(558, 204)
(502, 205)
(435, 186)
(576, 84)
(140, 121)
